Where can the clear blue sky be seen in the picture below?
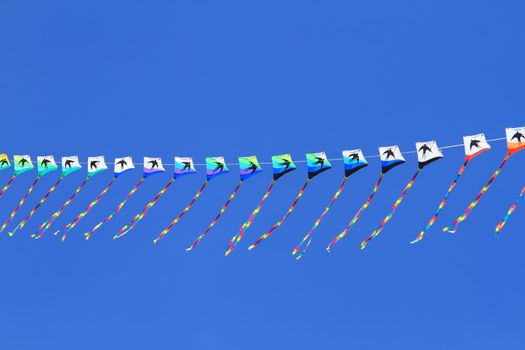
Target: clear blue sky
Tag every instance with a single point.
(236, 78)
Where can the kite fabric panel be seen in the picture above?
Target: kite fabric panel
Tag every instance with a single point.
(390, 158)
(512, 208)
(153, 166)
(281, 165)
(353, 161)
(183, 166)
(317, 163)
(249, 166)
(515, 143)
(123, 165)
(427, 152)
(474, 145)
(215, 166)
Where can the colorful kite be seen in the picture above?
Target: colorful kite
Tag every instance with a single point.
(474, 145)
(45, 165)
(390, 158)
(249, 166)
(96, 165)
(510, 211)
(69, 165)
(316, 164)
(21, 165)
(152, 166)
(121, 166)
(282, 164)
(515, 143)
(353, 160)
(183, 166)
(5, 164)
(427, 152)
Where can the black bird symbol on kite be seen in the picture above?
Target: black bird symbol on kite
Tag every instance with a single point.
(122, 163)
(4, 162)
(94, 164)
(22, 162)
(253, 167)
(319, 161)
(187, 165)
(285, 163)
(389, 153)
(425, 149)
(68, 163)
(474, 143)
(219, 166)
(154, 163)
(45, 162)
(354, 156)
(518, 135)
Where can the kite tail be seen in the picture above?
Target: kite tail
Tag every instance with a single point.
(283, 219)
(119, 207)
(307, 239)
(46, 224)
(33, 211)
(137, 218)
(237, 238)
(392, 211)
(74, 223)
(177, 219)
(13, 213)
(223, 209)
(356, 216)
(510, 211)
(7, 185)
(442, 204)
(454, 227)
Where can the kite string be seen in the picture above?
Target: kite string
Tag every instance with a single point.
(283, 219)
(223, 209)
(13, 213)
(74, 223)
(358, 215)
(513, 207)
(33, 211)
(7, 185)
(472, 205)
(179, 217)
(137, 218)
(392, 211)
(119, 207)
(317, 222)
(46, 224)
(237, 238)
(442, 204)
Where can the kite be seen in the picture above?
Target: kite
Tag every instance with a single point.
(316, 164)
(249, 166)
(152, 166)
(96, 165)
(70, 164)
(282, 164)
(390, 158)
(20, 166)
(121, 166)
(513, 207)
(427, 152)
(183, 166)
(353, 160)
(474, 145)
(45, 165)
(515, 142)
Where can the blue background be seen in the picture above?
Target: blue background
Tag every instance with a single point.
(236, 78)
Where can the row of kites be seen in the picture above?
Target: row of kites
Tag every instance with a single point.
(317, 163)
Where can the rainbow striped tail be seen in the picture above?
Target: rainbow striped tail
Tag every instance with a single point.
(513, 207)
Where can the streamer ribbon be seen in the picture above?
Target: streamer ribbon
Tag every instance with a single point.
(79, 217)
(358, 215)
(283, 219)
(442, 204)
(223, 209)
(454, 227)
(307, 239)
(33, 211)
(47, 224)
(510, 211)
(237, 238)
(117, 209)
(392, 211)
(137, 218)
(13, 213)
(178, 218)
(7, 185)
